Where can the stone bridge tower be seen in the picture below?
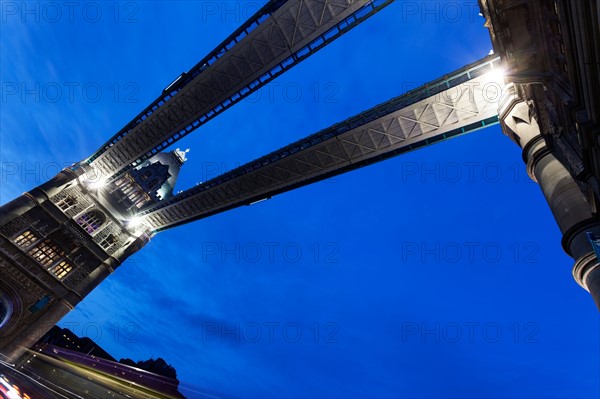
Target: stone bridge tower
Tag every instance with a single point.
(63, 238)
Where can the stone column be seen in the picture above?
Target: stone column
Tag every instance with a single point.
(569, 206)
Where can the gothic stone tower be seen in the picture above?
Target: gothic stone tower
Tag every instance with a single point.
(63, 238)
(551, 109)
(59, 241)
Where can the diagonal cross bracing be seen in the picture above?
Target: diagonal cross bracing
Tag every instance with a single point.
(461, 102)
(275, 39)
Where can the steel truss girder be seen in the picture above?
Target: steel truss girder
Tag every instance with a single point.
(458, 103)
(278, 37)
(187, 77)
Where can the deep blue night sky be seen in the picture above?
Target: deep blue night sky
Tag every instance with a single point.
(435, 274)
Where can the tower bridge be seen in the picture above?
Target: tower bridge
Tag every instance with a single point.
(60, 240)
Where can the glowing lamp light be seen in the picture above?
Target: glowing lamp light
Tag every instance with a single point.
(493, 86)
(96, 185)
(135, 222)
(496, 76)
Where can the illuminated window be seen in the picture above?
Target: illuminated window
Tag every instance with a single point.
(46, 253)
(67, 203)
(26, 239)
(91, 221)
(61, 269)
(142, 201)
(108, 241)
(125, 180)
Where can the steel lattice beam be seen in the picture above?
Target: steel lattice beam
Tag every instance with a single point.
(278, 37)
(461, 102)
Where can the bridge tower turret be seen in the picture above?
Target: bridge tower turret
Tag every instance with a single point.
(63, 238)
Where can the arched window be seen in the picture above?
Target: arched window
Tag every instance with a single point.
(46, 253)
(91, 221)
(26, 239)
(61, 269)
(109, 241)
(123, 181)
(49, 255)
(66, 203)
